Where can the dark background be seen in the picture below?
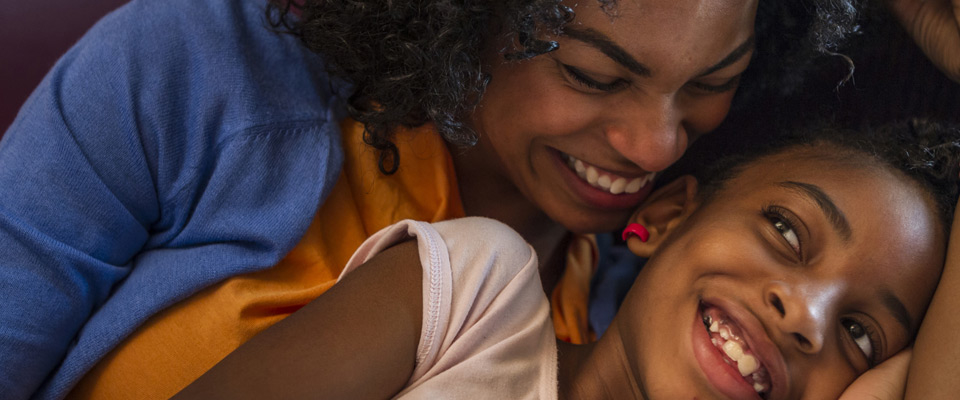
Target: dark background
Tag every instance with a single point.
(33, 35)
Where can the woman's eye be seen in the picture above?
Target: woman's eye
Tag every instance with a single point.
(861, 336)
(583, 79)
(721, 88)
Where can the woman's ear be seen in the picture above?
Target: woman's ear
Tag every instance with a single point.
(662, 212)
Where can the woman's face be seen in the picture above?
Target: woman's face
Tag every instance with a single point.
(816, 269)
(581, 131)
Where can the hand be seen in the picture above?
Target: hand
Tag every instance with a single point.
(935, 26)
(883, 382)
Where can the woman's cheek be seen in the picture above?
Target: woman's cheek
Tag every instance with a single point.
(707, 113)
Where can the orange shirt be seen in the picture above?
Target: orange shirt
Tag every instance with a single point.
(176, 346)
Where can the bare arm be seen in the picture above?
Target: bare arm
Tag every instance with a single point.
(935, 365)
(356, 341)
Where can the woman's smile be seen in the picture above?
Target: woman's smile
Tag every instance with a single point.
(601, 188)
(606, 180)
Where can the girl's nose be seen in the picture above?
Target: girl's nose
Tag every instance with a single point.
(649, 132)
(800, 314)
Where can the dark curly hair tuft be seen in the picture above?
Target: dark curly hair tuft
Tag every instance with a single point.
(416, 62)
(927, 152)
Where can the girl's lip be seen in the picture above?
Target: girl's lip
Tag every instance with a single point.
(597, 197)
(756, 338)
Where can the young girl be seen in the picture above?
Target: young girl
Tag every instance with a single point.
(783, 275)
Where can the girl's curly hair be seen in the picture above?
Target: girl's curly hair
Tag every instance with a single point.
(414, 62)
(926, 151)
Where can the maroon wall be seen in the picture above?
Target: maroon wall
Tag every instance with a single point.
(33, 35)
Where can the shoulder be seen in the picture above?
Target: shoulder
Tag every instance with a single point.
(187, 82)
(489, 246)
(495, 310)
(174, 65)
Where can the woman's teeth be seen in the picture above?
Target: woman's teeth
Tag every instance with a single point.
(604, 180)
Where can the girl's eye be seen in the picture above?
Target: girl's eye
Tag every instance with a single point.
(785, 225)
(788, 234)
(863, 337)
(582, 78)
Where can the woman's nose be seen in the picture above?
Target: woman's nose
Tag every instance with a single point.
(800, 314)
(648, 132)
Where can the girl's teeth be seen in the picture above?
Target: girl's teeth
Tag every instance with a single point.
(747, 364)
(733, 350)
(725, 333)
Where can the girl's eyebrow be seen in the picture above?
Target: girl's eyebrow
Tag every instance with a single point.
(607, 46)
(826, 205)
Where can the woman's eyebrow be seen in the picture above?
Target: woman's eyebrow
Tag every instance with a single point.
(826, 205)
(733, 57)
(607, 46)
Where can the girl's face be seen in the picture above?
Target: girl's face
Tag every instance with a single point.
(816, 269)
(580, 132)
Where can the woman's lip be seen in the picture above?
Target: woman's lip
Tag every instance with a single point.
(597, 197)
(759, 342)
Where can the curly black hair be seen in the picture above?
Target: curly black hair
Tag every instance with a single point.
(926, 151)
(414, 62)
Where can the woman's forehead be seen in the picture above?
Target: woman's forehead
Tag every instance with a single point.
(670, 33)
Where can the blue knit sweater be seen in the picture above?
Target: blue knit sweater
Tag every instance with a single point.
(179, 143)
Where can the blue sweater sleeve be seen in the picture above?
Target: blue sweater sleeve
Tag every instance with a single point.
(158, 113)
(77, 197)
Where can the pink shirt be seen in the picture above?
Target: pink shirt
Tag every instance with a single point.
(486, 328)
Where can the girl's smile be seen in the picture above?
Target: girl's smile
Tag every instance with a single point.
(734, 351)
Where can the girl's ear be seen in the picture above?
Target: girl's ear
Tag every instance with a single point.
(662, 212)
